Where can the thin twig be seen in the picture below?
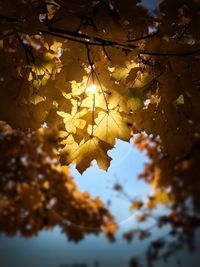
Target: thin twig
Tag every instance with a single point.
(167, 54)
(8, 19)
(94, 73)
(27, 50)
(106, 53)
(107, 108)
(143, 37)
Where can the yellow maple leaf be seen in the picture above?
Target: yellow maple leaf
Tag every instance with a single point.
(110, 125)
(56, 46)
(72, 121)
(85, 152)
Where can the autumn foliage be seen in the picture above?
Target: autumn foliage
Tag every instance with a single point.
(37, 193)
(93, 72)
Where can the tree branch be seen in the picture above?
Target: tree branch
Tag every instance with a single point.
(171, 53)
(98, 41)
(8, 19)
(86, 39)
(143, 37)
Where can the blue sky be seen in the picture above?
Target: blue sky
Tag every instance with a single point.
(51, 249)
(127, 163)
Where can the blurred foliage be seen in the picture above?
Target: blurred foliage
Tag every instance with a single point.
(36, 193)
(89, 81)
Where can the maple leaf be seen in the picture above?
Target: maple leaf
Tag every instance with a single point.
(73, 121)
(85, 152)
(109, 126)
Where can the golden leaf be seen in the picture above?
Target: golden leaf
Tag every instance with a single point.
(84, 153)
(111, 125)
(73, 121)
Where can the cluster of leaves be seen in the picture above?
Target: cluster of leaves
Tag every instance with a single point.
(91, 120)
(36, 193)
(174, 180)
(94, 80)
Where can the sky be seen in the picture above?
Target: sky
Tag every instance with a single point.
(52, 249)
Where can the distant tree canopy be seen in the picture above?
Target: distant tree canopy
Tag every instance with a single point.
(91, 72)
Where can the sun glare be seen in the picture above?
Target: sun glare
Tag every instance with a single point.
(91, 89)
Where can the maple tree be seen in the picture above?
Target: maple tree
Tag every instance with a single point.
(35, 190)
(91, 72)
